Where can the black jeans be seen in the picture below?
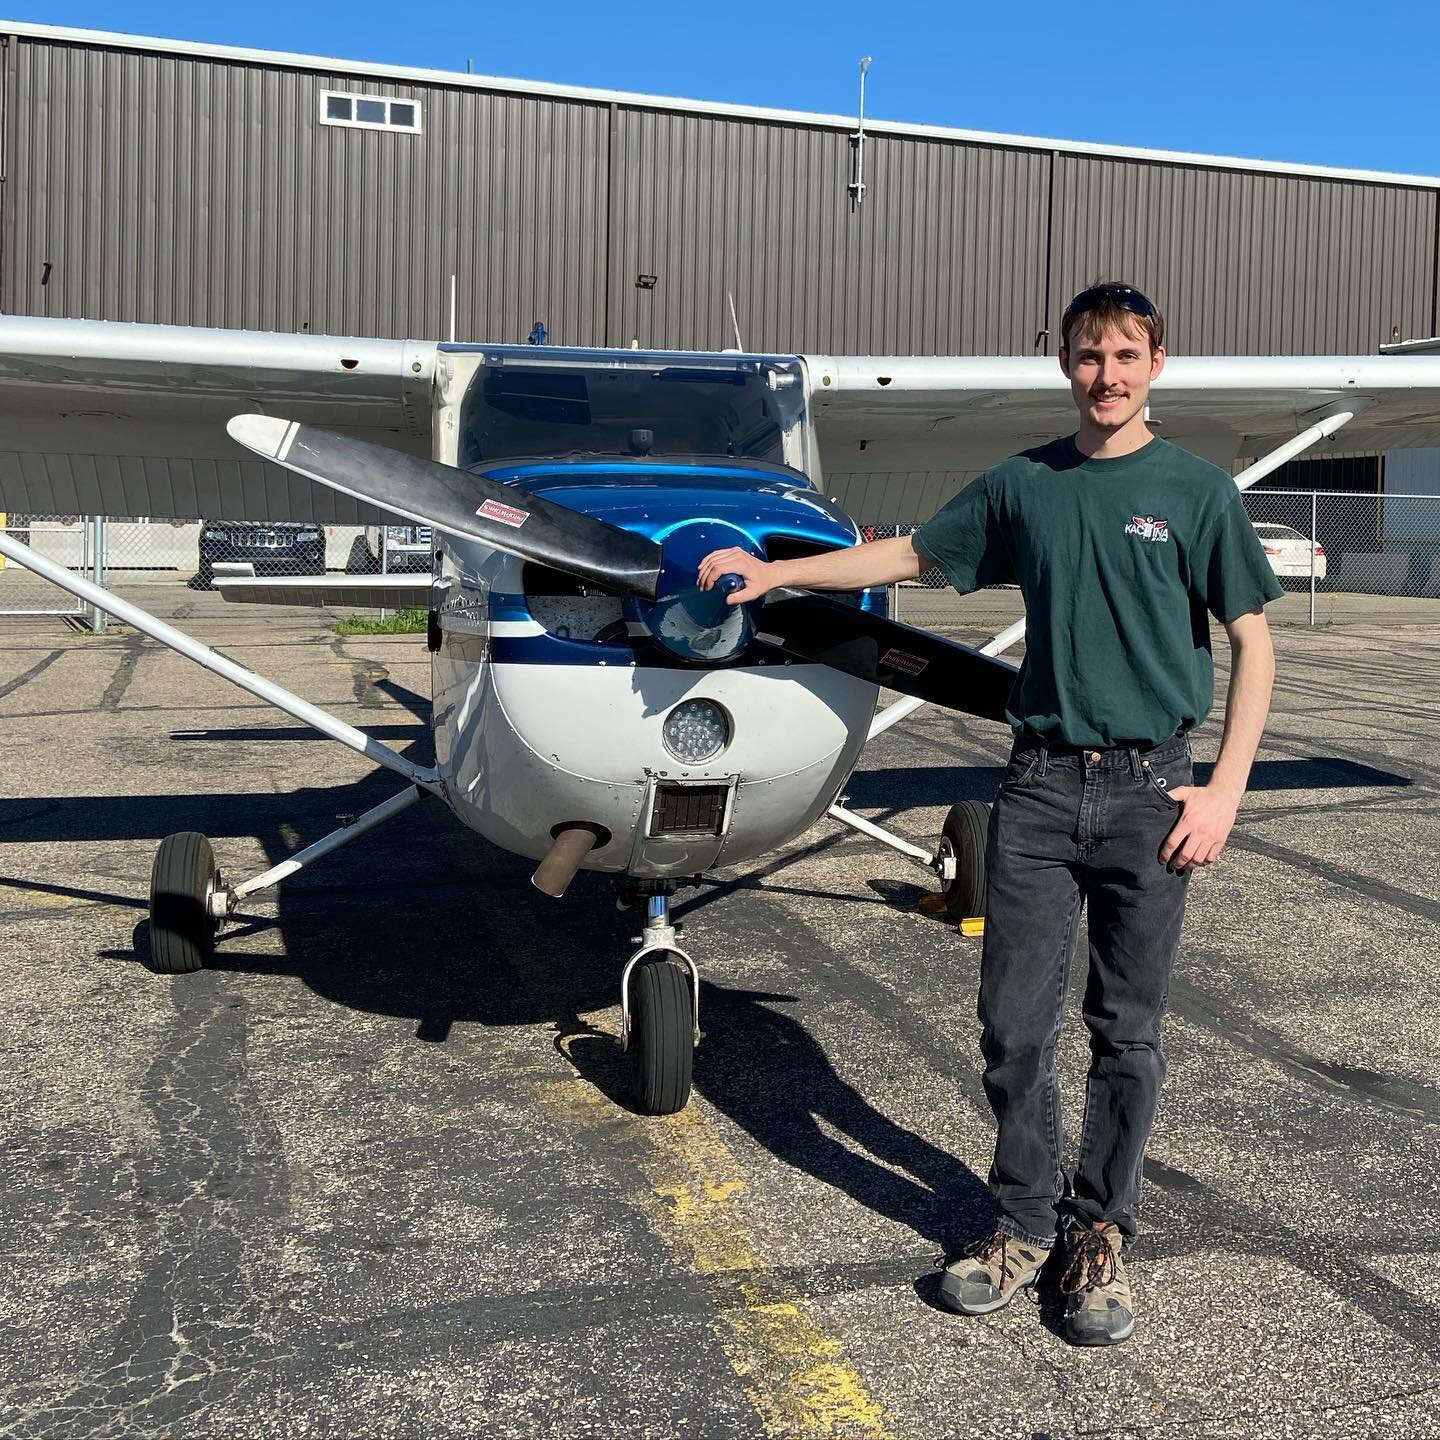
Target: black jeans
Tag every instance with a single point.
(1072, 828)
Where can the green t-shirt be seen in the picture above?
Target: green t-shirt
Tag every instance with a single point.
(1118, 562)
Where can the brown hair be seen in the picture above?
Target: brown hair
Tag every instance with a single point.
(1113, 303)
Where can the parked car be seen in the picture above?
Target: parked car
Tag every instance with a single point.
(273, 548)
(405, 547)
(1289, 553)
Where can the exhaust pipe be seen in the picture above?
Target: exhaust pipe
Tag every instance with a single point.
(572, 844)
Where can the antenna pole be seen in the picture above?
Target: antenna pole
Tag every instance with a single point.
(857, 145)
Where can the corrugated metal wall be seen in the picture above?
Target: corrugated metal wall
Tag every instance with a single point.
(1250, 263)
(713, 207)
(948, 250)
(198, 192)
(205, 191)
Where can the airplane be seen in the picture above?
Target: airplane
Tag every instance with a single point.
(592, 708)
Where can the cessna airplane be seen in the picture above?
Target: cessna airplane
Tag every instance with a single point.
(592, 707)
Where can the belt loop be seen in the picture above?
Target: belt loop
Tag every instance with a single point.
(1134, 753)
(1044, 762)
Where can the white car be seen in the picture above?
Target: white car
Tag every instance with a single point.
(405, 547)
(1289, 552)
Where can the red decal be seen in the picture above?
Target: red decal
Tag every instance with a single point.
(503, 514)
(899, 660)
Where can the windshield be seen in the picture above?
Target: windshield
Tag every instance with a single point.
(621, 408)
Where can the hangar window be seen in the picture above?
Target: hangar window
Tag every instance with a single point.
(369, 112)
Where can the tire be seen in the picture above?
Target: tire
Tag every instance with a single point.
(182, 934)
(965, 829)
(662, 1036)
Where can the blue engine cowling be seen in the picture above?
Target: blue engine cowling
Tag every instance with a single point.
(691, 510)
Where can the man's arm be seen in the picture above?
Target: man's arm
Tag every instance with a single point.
(856, 567)
(1208, 811)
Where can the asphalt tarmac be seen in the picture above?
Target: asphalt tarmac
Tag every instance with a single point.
(373, 1174)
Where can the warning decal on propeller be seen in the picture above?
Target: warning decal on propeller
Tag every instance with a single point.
(900, 660)
(503, 514)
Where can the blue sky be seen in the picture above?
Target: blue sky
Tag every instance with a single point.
(1323, 83)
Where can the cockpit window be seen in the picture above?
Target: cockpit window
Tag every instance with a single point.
(528, 407)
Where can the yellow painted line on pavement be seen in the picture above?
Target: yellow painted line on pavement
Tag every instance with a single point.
(797, 1377)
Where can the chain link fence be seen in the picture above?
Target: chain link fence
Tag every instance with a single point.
(1343, 557)
(67, 540)
(160, 564)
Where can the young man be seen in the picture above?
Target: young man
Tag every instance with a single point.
(1120, 543)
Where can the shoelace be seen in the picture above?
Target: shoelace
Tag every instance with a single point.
(1092, 1263)
(984, 1250)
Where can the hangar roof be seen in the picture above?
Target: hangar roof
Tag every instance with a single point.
(453, 78)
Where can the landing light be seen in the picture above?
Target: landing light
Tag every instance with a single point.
(696, 731)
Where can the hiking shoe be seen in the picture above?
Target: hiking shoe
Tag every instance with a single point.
(987, 1276)
(1098, 1308)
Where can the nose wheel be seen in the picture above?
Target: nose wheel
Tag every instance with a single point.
(660, 1006)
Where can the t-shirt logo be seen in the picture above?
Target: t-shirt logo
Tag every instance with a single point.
(1149, 527)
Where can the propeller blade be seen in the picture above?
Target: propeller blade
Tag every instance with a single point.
(885, 652)
(459, 503)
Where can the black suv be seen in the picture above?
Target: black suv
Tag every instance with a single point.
(272, 547)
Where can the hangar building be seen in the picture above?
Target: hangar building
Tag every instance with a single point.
(192, 184)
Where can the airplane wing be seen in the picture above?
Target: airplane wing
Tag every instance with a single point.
(899, 434)
(105, 418)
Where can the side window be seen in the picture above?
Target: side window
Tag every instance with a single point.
(369, 112)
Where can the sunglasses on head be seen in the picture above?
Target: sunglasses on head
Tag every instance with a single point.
(1125, 296)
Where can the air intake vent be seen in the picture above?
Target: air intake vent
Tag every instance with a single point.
(688, 809)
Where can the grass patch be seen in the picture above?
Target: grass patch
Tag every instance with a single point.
(397, 622)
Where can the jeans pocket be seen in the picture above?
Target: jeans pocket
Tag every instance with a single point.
(1159, 784)
(1022, 769)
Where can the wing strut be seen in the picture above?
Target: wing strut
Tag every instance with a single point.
(224, 902)
(218, 664)
(1331, 419)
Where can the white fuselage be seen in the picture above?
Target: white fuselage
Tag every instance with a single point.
(526, 747)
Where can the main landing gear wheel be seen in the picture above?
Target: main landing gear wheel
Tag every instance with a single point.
(182, 880)
(662, 1035)
(964, 838)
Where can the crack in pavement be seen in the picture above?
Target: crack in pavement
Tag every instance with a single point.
(215, 1184)
(124, 673)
